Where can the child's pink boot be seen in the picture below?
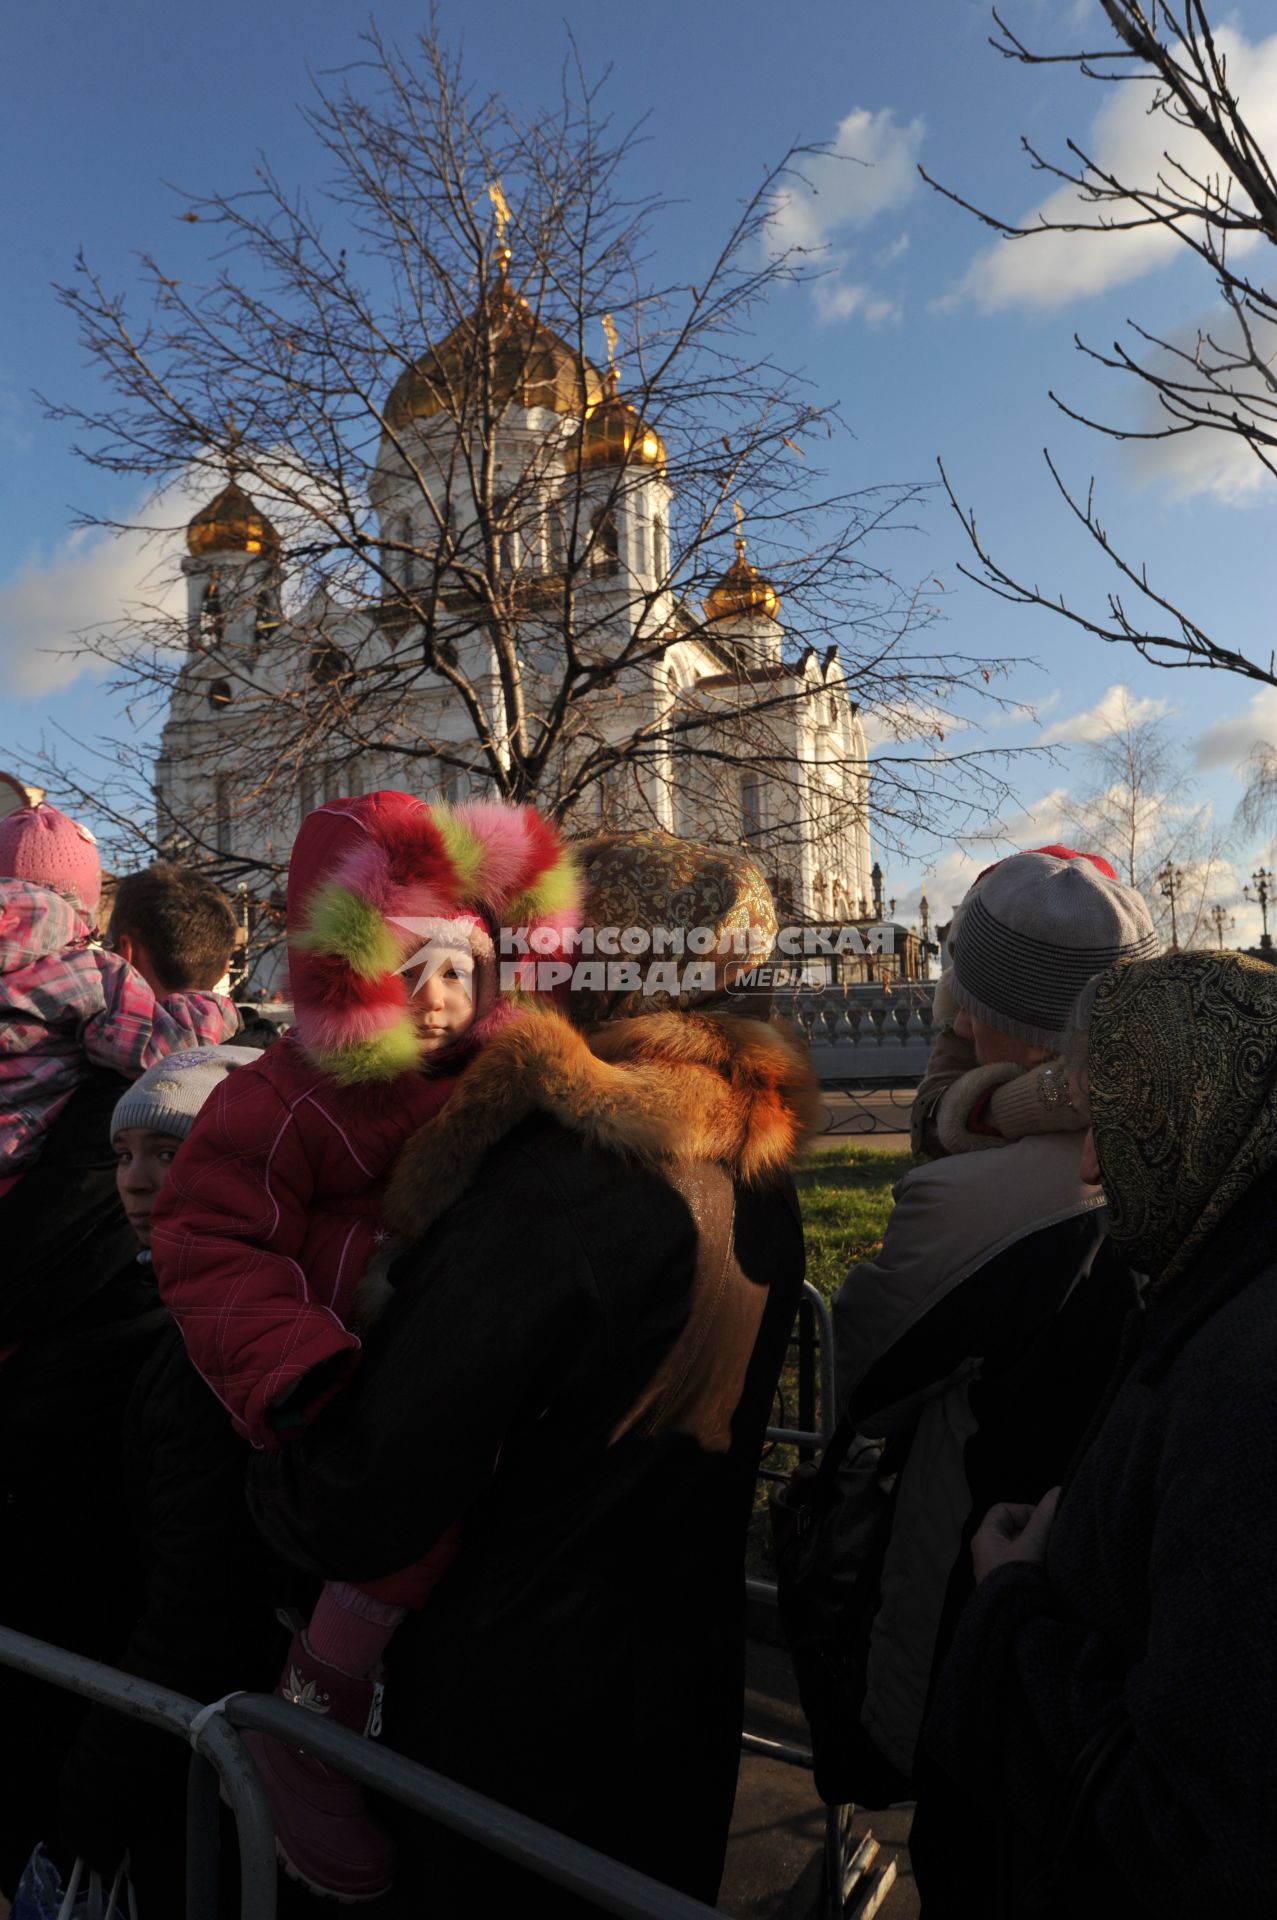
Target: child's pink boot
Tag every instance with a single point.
(324, 1833)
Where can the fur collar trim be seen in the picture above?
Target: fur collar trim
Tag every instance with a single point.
(667, 1086)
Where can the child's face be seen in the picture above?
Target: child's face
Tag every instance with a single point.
(142, 1160)
(443, 1005)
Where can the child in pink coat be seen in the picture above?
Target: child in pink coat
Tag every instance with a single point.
(272, 1210)
(66, 1005)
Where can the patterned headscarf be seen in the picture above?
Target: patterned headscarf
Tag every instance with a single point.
(653, 879)
(1182, 1064)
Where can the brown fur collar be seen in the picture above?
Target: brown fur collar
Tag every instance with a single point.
(668, 1086)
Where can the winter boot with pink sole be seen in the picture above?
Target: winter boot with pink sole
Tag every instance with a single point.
(325, 1836)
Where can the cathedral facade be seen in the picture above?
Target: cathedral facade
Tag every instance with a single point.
(694, 714)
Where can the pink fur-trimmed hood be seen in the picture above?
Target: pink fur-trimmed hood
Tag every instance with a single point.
(374, 880)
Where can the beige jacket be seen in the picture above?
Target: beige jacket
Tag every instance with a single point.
(976, 1241)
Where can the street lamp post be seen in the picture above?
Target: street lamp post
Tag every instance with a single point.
(1169, 881)
(1262, 883)
(1222, 921)
(924, 914)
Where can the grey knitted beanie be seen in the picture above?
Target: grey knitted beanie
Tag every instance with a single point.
(170, 1094)
(1038, 929)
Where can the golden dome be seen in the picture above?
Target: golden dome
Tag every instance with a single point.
(613, 433)
(532, 367)
(743, 593)
(231, 524)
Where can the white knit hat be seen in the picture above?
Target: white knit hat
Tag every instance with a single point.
(170, 1094)
(1038, 929)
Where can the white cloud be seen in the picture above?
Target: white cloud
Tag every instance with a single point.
(1117, 707)
(1227, 742)
(1129, 142)
(869, 170)
(1209, 461)
(92, 579)
(88, 580)
(840, 299)
(898, 248)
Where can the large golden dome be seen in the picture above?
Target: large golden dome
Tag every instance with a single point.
(532, 367)
(613, 434)
(231, 523)
(743, 593)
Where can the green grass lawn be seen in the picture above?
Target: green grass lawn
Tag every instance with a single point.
(845, 1194)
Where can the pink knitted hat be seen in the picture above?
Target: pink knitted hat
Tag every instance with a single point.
(48, 849)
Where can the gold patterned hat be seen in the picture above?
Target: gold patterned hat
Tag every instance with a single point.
(652, 880)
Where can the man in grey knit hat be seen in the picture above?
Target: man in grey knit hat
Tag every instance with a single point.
(978, 1340)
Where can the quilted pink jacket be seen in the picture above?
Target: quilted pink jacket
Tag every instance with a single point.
(65, 1006)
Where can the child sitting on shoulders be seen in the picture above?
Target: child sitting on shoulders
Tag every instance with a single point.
(67, 1005)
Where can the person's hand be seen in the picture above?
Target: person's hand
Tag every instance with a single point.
(1013, 1531)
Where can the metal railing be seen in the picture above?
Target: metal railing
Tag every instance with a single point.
(220, 1766)
(220, 1763)
(854, 1883)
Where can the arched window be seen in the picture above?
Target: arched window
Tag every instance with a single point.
(220, 695)
(265, 616)
(605, 547)
(751, 808)
(660, 548)
(407, 556)
(556, 538)
(783, 894)
(328, 665)
(212, 620)
(223, 810)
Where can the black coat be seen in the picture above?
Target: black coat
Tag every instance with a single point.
(1116, 1709)
(87, 1314)
(205, 1622)
(579, 1362)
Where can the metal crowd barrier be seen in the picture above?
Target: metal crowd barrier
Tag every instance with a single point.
(854, 1883)
(220, 1764)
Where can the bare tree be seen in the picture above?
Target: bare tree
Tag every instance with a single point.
(452, 545)
(1139, 811)
(1214, 189)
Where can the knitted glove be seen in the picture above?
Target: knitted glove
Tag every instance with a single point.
(1004, 1099)
(954, 1115)
(949, 1060)
(1018, 1108)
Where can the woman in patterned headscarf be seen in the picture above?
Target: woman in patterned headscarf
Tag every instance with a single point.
(1110, 1691)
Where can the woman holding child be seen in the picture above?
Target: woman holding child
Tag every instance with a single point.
(577, 1362)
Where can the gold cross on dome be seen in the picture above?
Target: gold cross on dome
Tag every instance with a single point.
(500, 213)
(612, 336)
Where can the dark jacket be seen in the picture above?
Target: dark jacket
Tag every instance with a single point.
(1116, 1708)
(65, 1234)
(579, 1360)
(981, 1335)
(205, 1623)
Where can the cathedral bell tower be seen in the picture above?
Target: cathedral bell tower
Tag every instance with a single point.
(744, 608)
(232, 576)
(621, 464)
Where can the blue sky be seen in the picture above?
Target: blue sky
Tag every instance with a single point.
(933, 341)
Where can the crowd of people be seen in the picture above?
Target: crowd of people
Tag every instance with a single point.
(416, 1363)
